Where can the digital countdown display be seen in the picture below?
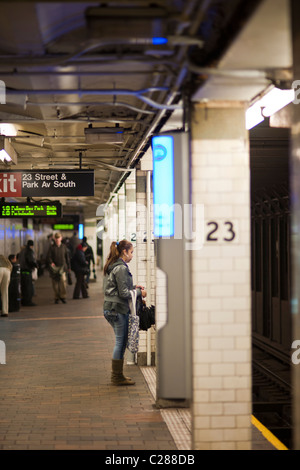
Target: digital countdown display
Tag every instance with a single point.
(61, 227)
(11, 210)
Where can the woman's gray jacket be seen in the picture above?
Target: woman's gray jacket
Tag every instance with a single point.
(117, 285)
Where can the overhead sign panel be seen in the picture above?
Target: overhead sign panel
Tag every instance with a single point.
(12, 210)
(47, 183)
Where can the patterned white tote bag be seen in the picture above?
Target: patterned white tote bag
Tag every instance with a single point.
(133, 325)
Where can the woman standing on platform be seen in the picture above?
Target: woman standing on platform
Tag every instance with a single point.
(117, 286)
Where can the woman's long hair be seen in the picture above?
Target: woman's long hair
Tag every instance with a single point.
(116, 249)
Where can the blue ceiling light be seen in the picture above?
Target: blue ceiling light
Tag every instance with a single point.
(159, 40)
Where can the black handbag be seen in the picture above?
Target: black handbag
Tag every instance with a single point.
(146, 314)
(69, 277)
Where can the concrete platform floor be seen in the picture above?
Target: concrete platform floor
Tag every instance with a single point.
(55, 385)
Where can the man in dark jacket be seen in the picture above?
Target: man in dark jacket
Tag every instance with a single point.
(27, 262)
(89, 256)
(59, 263)
(80, 267)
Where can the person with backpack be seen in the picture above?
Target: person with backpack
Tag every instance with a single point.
(117, 287)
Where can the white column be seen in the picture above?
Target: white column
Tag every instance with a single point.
(111, 226)
(130, 215)
(145, 267)
(221, 301)
(122, 213)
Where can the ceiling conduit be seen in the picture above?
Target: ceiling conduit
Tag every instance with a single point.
(137, 94)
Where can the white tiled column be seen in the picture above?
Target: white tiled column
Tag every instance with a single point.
(146, 340)
(122, 213)
(111, 226)
(130, 216)
(221, 305)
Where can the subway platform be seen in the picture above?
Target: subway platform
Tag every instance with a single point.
(55, 384)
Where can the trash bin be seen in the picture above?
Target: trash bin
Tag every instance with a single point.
(14, 289)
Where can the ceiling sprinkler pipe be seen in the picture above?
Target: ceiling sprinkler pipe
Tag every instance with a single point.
(90, 103)
(137, 94)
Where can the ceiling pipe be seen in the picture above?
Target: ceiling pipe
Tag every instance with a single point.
(170, 40)
(38, 136)
(57, 60)
(235, 73)
(247, 73)
(28, 61)
(99, 91)
(107, 92)
(90, 103)
(74, 73)
(67, 121)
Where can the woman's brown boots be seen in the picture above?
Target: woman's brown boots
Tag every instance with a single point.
(117, 377)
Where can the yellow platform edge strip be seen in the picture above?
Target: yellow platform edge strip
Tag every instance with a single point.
(268, 435)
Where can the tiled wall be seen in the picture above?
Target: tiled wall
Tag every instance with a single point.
(221, 308)
(13, 235)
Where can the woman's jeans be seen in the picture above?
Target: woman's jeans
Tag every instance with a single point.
(119, 322)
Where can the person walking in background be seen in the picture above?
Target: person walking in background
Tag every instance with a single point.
(13, 259)
(89, 255)
(28, 262)
(58, 261)
(14, 288)
(80, 267)
(117, 285)
(74, 242)
(5, 272)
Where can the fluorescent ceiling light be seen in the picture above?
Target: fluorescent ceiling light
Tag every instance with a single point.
(268, 105)
(8, 129)
(275, 100)
(7, 152)
(253, 116)
(4, 157)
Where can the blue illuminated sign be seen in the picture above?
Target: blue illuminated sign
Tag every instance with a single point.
(80, 231)
(163, 185)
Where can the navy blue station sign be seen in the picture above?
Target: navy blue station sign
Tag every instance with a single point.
(59, 183)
